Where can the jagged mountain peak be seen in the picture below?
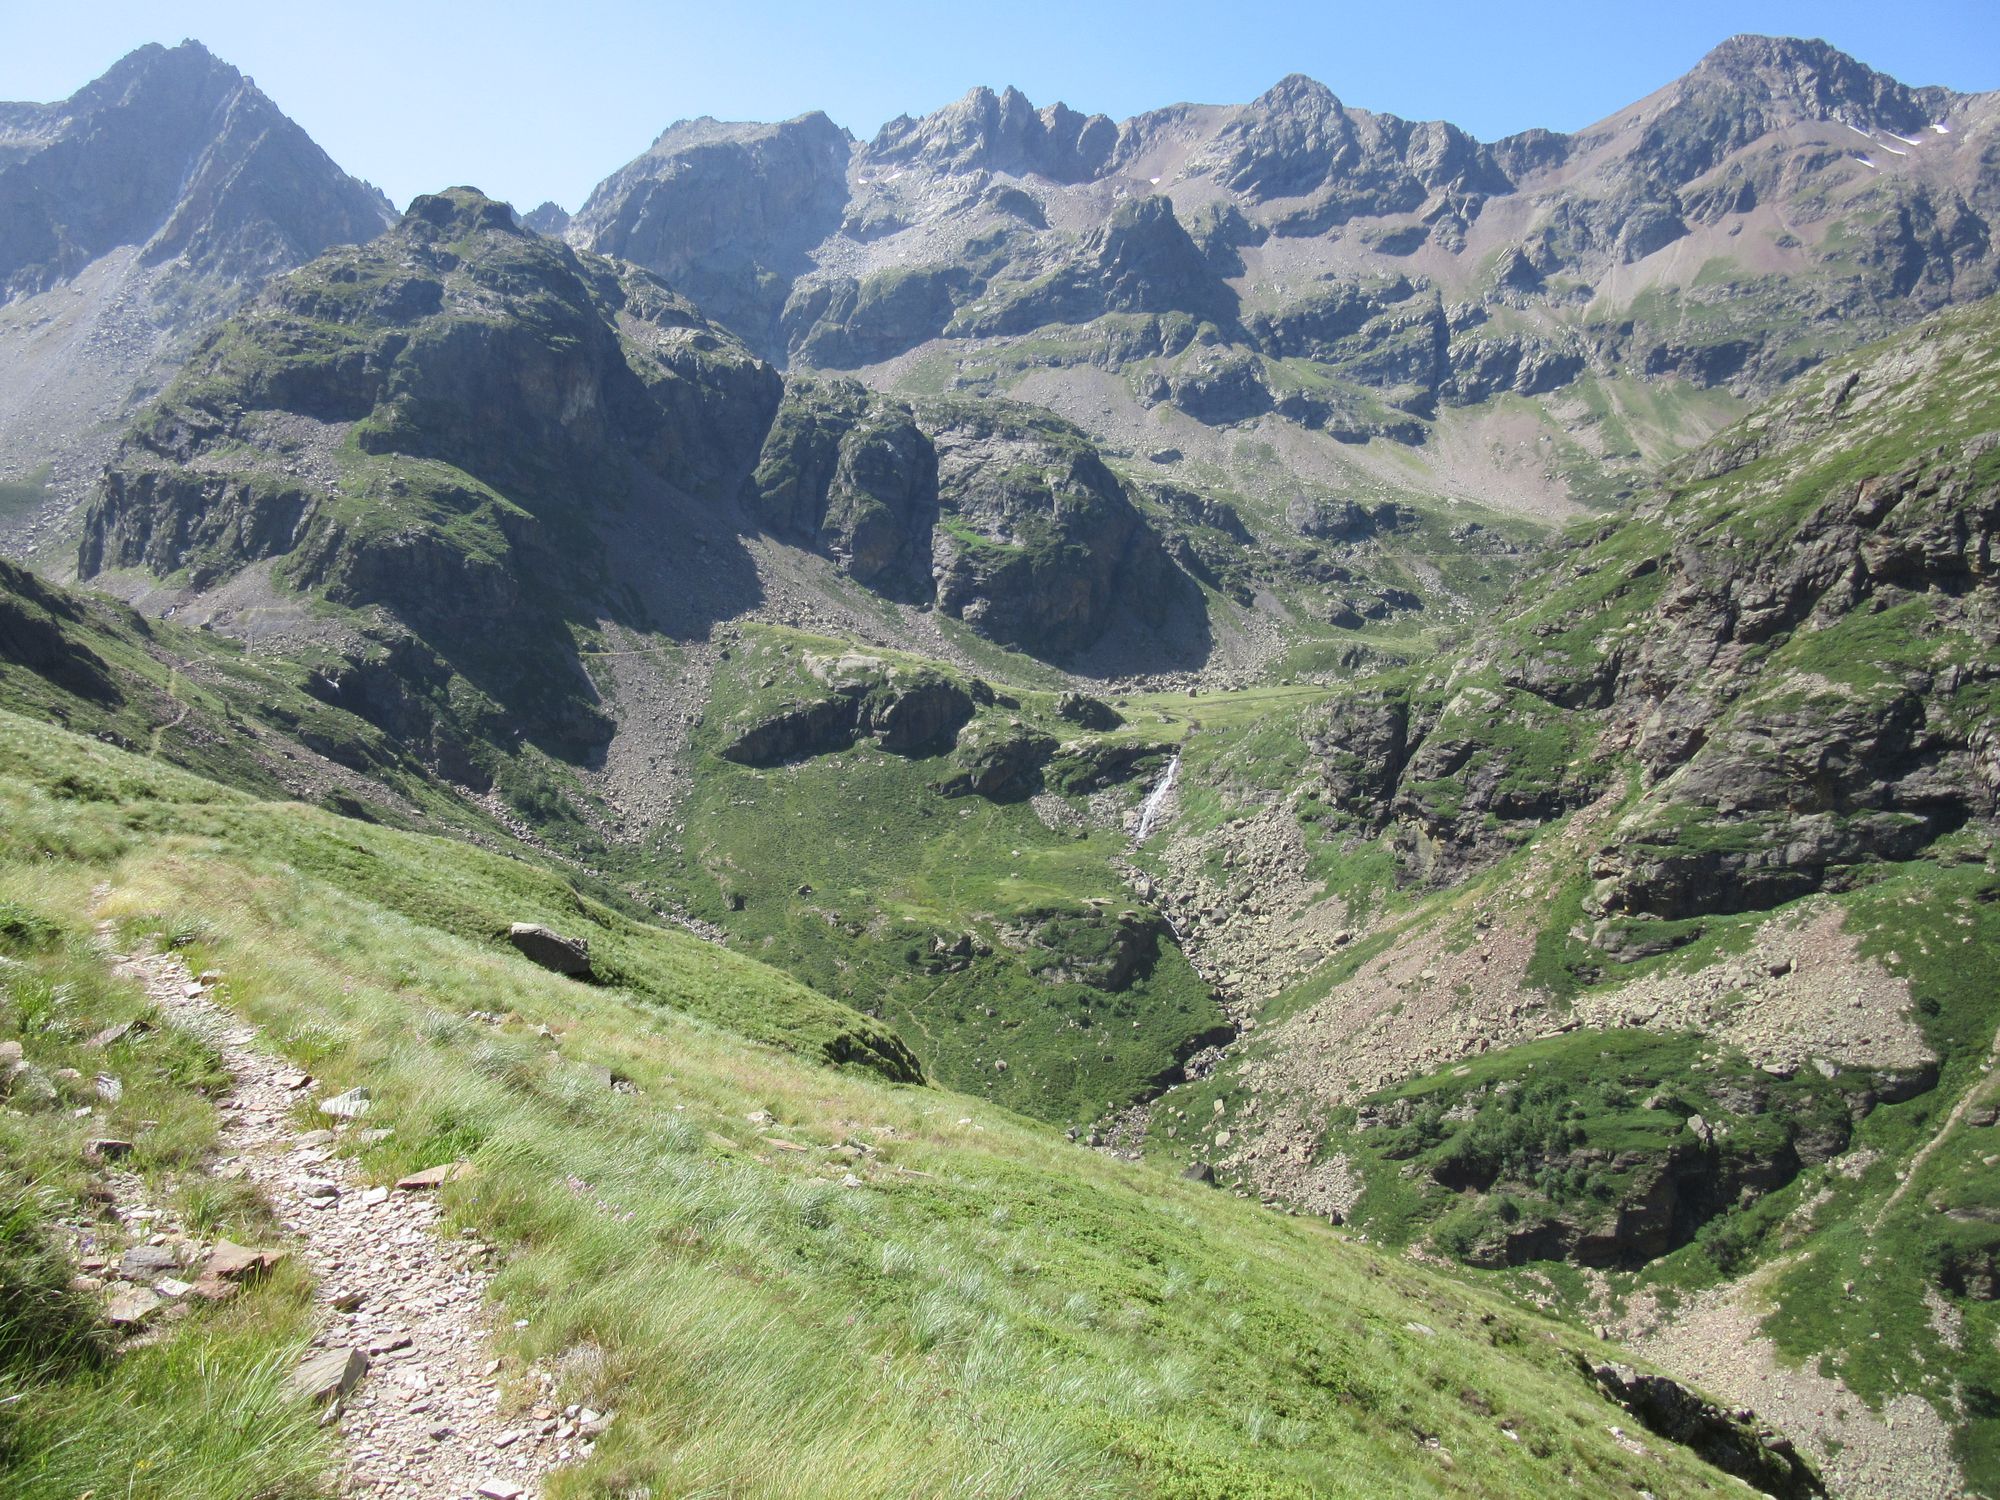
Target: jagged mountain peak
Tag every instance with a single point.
(549, 218)
(1003, 132)
(1295, 91)
(1813, 79)
(1750, 87)
(153, 63)
(176, 151)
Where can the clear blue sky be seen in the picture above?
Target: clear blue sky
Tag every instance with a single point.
(540, 100)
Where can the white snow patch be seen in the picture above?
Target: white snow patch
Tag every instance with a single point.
(1865, 161)
(1858, 130)
(1903, 138)
(1892, 150)
(1154, 180)
(1940, 128)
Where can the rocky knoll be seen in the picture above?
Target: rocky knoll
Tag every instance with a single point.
(435, 424)
(906, 710)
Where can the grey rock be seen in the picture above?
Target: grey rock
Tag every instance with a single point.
(550, 949)
(133, 1306)
(348, 1106)
(147, 1262)
(328, 1374)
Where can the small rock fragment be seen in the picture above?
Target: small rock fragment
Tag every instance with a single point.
(328, 1374)
(432, 1177)
(133, 1306)
(229, 1261)
(348, 1106)
(147, 1262)
(123, 1031)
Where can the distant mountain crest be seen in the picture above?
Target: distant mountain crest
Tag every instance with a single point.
(1820, 82)
(1001, 132)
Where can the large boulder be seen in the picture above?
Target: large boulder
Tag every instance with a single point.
(550, 949)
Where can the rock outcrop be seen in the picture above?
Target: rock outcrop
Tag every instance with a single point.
(1732, 1441)
(906, 710)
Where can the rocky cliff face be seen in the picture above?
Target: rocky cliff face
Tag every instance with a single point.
(1001, 516)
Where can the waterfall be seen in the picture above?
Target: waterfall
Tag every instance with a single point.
(1156, 799)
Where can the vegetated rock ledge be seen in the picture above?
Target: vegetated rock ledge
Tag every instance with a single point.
(907, 710)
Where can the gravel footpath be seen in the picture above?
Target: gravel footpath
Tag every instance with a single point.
(426, 1420)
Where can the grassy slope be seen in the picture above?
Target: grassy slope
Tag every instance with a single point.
(1932, 920)
(990, 1312)
(892, 866)
(200, 701)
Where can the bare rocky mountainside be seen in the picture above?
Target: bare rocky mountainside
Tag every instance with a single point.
(1444, 689)
(150, 201)
(1531, 320)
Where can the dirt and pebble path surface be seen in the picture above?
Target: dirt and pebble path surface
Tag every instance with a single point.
(404, 1310)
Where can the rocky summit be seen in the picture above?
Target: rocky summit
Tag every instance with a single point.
(1259, 801)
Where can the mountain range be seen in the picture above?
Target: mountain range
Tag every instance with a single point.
(1442, 688)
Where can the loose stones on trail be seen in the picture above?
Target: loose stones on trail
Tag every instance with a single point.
(400, 1363)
